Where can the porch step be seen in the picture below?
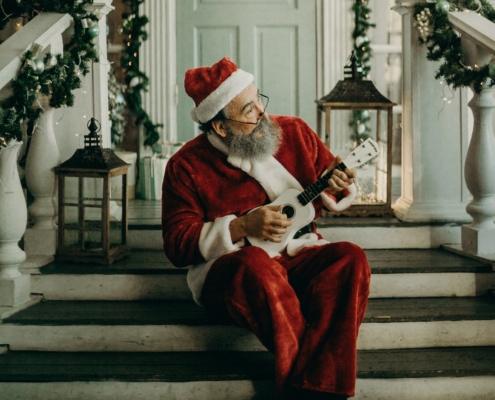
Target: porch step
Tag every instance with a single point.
(460, 373)
(368, 233)
(148, 275)
(163, 326)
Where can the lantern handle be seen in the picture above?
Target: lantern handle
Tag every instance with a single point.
(94, 126)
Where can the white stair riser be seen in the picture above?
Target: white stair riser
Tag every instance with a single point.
(162, 287)
(458, 388)
(402, 335)
(155, 338)
(374, 237)
(431, 285)
(464, 388)
(111, 390)
(111, 287)
(392, 237)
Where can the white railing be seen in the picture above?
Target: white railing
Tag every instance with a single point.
(478, 44)
(44, 31)
(47, 31)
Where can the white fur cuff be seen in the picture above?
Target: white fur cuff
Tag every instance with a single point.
(343, 203)
(215, 239)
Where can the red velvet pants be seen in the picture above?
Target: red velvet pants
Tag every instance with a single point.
(305, 309)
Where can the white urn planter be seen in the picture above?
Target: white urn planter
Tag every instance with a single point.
(42, 158)
(14, 287)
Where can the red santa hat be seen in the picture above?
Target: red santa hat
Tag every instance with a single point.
(212, 88)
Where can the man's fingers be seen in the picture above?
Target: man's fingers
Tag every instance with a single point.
(337, 160)
(351, 173)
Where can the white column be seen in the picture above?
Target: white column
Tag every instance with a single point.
(157, 59)
(435, 137)
(334, 24)
(99, 73)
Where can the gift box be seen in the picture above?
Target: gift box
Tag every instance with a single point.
(151, 173)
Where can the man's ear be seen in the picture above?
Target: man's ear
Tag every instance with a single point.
(219, 127)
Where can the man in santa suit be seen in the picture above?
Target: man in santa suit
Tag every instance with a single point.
(305, 303)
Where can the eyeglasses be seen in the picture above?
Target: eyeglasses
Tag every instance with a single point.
(264, 101)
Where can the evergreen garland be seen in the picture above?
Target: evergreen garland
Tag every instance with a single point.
(56, 81)
(444, 44)
(362, 43)
(359, 120)
(136, 80)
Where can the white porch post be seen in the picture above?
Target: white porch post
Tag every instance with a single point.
(435, 137)
(478, 44)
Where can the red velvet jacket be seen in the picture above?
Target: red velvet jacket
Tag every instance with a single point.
(200, 186)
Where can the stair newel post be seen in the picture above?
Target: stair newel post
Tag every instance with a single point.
(479, 236)
(14, 287)
(42, 157)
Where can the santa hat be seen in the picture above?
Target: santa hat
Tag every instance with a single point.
(212, 88)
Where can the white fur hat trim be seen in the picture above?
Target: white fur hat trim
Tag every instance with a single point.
(221, 96)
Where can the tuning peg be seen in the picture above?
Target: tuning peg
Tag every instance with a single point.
(375, 160)
(365, 166)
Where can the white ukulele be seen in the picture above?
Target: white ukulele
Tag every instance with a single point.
(298, 206)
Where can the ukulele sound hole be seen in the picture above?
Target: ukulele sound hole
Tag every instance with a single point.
(289, 210)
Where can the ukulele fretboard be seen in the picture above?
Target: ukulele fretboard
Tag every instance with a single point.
(319, 186)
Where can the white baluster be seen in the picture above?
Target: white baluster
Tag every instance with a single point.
(479, 236)
(42, 157)
(14, 287)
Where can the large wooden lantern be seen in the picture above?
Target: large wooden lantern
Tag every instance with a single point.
(92, 207)
(375, 183)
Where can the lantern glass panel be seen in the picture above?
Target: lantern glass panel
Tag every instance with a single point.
(115, 233)
(348, 127)
(116, 201)
(371, 182)
(93, 240)
(71, 238)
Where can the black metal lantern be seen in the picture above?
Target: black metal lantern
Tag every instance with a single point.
(92, 218)
(352, 94)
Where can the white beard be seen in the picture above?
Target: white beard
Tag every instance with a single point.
(253, 146)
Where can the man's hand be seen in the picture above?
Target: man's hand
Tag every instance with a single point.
(340, 180)
(265, 222)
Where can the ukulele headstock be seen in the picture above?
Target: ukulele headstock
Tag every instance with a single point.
(363, 154)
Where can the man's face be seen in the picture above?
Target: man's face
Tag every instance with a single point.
(250, 140)
(246, 107)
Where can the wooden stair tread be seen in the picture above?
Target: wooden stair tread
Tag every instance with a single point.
(184, 312)
(205, 366)
(381, 262)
